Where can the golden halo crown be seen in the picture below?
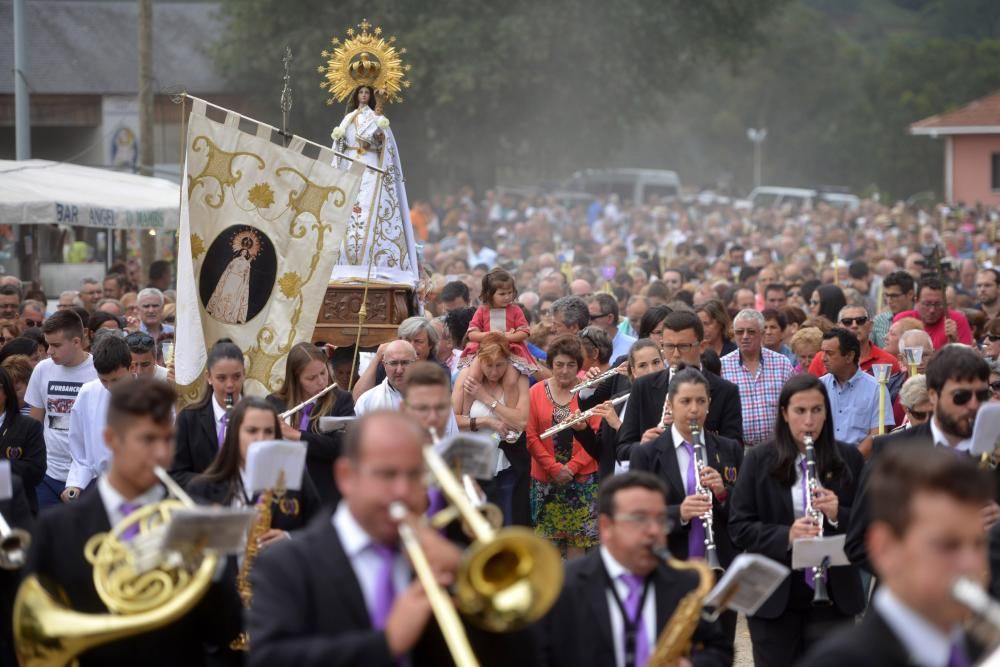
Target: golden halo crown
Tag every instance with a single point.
(364, 58)
(247, 238)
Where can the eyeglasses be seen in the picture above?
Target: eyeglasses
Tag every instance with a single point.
(963, 396)
(918, 414)
(640, 520)
(680, 347)
(32, 323)
(398, 363)
(993, 337)
(140, 338)
(813, 302)
(850, 321)
(598, 316)
(995, 386)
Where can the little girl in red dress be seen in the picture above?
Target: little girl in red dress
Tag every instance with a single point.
(498, 312)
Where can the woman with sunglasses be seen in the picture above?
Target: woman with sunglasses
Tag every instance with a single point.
(991, 340)
(307, 372)
(915, 403)
(767, 515)
(202, 427)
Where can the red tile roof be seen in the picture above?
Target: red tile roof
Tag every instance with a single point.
(981, 116)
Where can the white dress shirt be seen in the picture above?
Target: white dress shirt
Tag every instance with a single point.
(940, 440)
(926, 644)
(87, 418)
(615, 570)
(384, 396)
(365, 561)
(113, 500)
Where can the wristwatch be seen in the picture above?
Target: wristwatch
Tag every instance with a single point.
(494, 404)
(472, 424)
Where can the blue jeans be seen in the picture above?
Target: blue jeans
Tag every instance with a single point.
(48, 491)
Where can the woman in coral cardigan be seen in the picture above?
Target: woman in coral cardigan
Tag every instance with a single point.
(563, 475)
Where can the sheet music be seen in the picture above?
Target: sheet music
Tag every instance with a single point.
(748, 583)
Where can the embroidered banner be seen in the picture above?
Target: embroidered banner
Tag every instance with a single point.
(258, 222)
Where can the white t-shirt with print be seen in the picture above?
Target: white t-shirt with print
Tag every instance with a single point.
(54, 389)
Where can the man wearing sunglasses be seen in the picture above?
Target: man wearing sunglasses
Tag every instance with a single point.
(943, 325)
(855, 319)
(31, 314)
(897, 292)
(957, 385)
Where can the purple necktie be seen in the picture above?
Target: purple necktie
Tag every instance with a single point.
(385, 588)
(304, 421)
(809, 574)
(696, 535)
(435, 501)
(127, 508)
(222, 427)
(957, 656)
(635, 585)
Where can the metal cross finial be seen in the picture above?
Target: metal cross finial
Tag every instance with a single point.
(286, 91)
(364, 25)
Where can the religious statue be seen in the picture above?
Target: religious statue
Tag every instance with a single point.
(366, 71)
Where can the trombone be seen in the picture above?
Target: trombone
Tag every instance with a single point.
(14, 543)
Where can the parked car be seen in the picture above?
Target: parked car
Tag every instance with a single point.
(633, 186)
(768, 196)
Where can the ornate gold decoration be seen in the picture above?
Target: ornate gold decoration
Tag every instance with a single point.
(364, 59)
(219, 166)
(261, 195)
(197, 246)
(290, 284)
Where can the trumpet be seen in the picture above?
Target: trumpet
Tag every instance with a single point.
(14, 543)
(821, 597)
(985, 622)
(594, 381)
(444, 612)
(701, 462)
(583, 416)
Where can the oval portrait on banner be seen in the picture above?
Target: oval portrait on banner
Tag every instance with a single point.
(237, 275)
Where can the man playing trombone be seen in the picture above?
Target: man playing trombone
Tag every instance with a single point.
(342, 593)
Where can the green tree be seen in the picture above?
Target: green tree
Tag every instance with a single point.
(519, 87)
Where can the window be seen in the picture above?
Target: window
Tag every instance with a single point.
(995, 171)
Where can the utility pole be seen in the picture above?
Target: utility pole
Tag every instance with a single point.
(757, 136)
(147, 143)
(22, 109)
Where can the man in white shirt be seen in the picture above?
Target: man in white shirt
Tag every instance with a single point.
(616, 599)
(397, 357)
(926, 532)
(51, 392)
(143, 349)
(88, 418)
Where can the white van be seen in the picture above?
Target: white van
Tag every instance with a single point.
(633, 186)
(800, 198)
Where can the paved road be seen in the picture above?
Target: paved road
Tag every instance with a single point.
(744, 654)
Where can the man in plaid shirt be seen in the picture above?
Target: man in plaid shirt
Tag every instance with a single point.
(759, 373)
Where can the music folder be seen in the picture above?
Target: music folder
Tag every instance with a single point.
(986, 431)
(275, 464)
(810, 551)
(468, 454)
(219, 529)
(750, 580)
(331, 424)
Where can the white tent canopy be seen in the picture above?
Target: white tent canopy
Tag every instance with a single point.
(44, 192)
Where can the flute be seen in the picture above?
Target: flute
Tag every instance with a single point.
(583, 416)
(594, 381)
(288, 413)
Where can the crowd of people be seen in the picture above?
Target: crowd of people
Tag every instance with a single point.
(648, 375)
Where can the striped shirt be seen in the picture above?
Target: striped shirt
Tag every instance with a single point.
(759, 391)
